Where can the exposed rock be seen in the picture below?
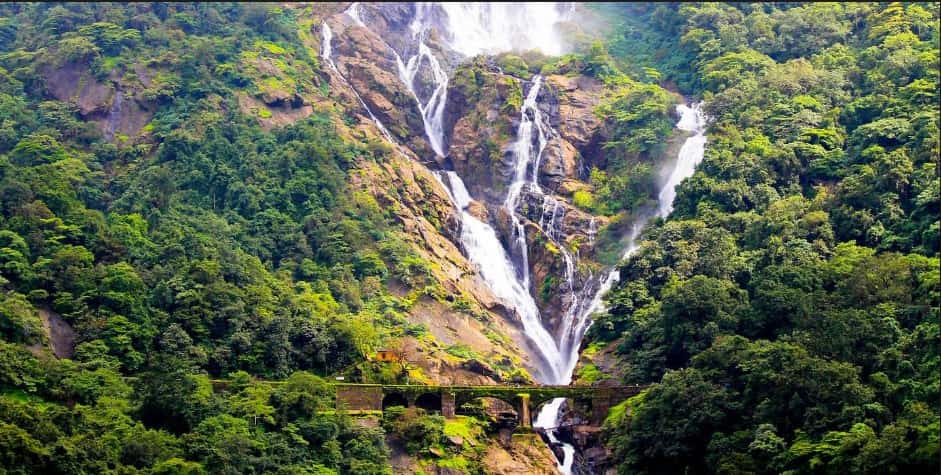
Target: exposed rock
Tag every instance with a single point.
(559, 163)
(58, 333)
(569, 187)
(606, 359)
(113, 106)
(519, 454)
(430, 224)
(275, 116)
(369, 64)
(126, 118)
(481, 368)
(478, 210)
(73, 82)
(577, 123)
(591, 454)
(503, 224)
(456, 440)
(481, 119)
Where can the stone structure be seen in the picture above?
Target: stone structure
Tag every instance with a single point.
(593, 400)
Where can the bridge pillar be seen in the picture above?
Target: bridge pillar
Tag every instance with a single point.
(599, 410)
(447, 404)
(525, 421)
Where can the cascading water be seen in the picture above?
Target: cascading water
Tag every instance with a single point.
(471, 29)
(690, 155)
(432, 110)
(327, 55)
(476, 28)
(483, 248)
(526, 150)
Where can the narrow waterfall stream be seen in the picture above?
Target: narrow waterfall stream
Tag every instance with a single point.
(327, 55)
(471, 29)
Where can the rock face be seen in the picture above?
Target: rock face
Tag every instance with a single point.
(560, 164)
(115, 105)
(370, 66)
(524, 453)
(480, 118)
(577, 123)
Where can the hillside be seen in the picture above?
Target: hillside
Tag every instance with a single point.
(269, 194)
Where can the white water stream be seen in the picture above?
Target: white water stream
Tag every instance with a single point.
(471, 29)
(690, 155)
(491, 28)
(327, 55)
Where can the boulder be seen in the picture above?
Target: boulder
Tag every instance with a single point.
(559, 163)
(481, 368)
(478, 210)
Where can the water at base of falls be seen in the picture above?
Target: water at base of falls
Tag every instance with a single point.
(548, 420)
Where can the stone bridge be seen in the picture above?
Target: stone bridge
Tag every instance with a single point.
(592, 400)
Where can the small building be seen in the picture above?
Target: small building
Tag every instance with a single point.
(387, 356)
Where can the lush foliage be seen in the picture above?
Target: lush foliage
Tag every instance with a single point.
(207, 245)
(788, 309)
(170, 209)
(638, 120)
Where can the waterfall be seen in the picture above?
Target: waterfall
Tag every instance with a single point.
(484, 250)
(432, 110)
(690, 155)
(508, 281)
(327, 55)
(475, 28)
(592, 231)
(114, 115)
(526, 151)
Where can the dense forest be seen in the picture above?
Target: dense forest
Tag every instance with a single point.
(788, 308)
(786, 314)
(210, 247)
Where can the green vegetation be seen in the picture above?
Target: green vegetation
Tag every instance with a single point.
(207, 246)
(461, 351)
(638, 119)
(787, 314)
(437, 443)
(589, 374)
(788, 309)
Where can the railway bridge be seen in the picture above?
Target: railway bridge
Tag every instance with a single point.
(592, 400)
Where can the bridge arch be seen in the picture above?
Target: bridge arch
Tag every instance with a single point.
(430, 402)
(394, 399)
(463, 397)
(594, 401)
(500, 413)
